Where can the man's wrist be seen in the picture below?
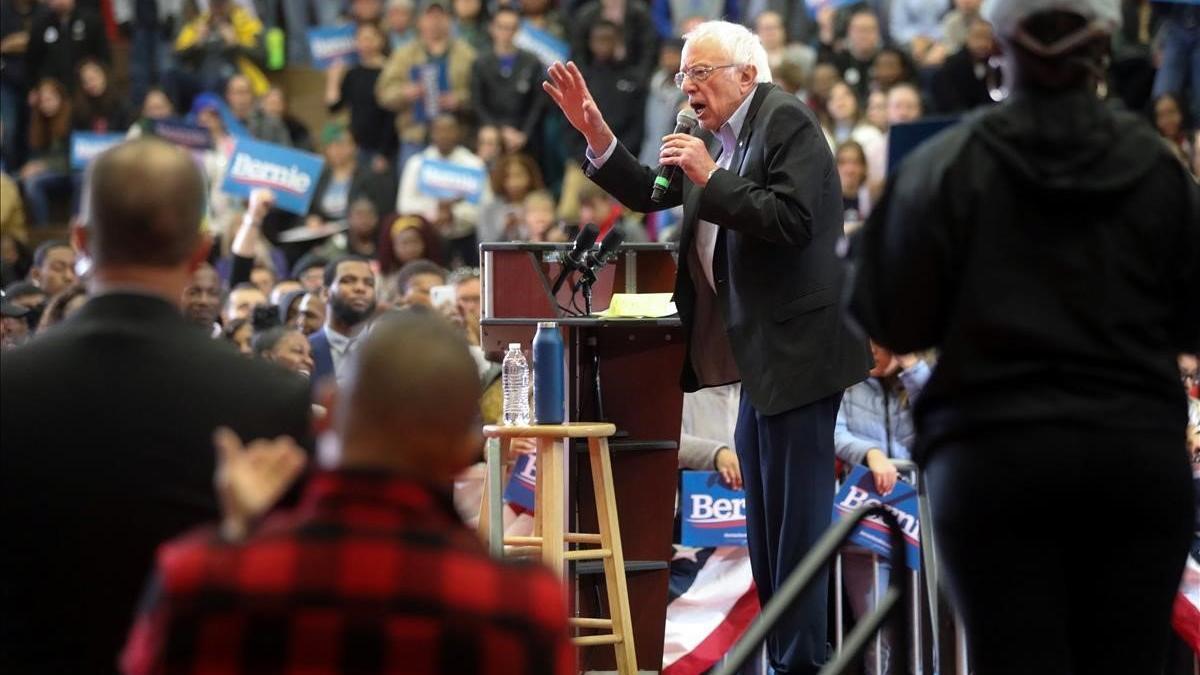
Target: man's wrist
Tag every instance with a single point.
(599, 160)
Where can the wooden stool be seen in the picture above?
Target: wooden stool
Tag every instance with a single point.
(549, 522)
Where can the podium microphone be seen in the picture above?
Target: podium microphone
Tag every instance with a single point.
(685, 121)
(576, 258)
(608, 248)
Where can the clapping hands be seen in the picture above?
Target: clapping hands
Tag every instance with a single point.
(251, 478)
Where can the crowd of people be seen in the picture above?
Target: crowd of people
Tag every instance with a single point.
(402, 422)
(861, 67)
(313, 306)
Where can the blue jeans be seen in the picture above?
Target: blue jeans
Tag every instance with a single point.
(1180, 61)
(149, 62)
(40, 188)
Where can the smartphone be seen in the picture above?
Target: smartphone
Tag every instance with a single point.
(443, 295)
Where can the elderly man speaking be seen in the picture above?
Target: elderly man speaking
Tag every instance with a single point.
(757, 288)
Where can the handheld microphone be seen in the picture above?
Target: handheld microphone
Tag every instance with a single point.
(576, 258)
(685, 121)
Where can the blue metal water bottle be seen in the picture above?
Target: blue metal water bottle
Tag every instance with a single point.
(548, 402)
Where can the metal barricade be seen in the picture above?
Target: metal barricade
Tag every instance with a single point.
(924, 588)
(921, 588)
(909, 471)
(805, 573)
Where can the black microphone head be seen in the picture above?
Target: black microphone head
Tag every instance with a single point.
(584, 242)
(612, 241)
(685, 121)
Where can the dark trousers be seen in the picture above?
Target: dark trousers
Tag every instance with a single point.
(787, 468)
(1063, 547)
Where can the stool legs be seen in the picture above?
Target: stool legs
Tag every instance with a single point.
(614, 564)
(550, 533)
(548, 509)
(491, 507)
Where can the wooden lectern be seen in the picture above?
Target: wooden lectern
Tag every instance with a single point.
(639, 362)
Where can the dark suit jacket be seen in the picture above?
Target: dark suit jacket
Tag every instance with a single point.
(106, 451)
(778, 278)
(322, 356)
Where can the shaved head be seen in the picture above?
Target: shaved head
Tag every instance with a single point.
(143, 204)
(412, 400)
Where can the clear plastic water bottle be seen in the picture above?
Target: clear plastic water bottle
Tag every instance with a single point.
(515, 381)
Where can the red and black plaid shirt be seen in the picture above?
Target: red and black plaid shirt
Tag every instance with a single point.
(372, 574)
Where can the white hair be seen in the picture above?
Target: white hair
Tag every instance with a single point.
(744, 47)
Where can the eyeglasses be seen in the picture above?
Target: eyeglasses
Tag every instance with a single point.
(700, 73)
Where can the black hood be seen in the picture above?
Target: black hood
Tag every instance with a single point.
(1069, 141)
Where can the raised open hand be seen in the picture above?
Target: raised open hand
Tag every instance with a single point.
(570, 92)
(251, 478)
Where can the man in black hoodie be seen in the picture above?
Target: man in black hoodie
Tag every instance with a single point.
(1050, 248)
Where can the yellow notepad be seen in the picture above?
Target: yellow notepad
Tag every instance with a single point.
(639, 306)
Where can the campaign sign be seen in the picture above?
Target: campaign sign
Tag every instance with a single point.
(328, 44)
(544, 45)
(859, 490)
(190, 136)
(434, 81)
(519, 491)
(445, 180)
(85, 146)
(712, 514)
(290, 174)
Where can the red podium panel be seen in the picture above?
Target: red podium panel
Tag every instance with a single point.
(639, 361)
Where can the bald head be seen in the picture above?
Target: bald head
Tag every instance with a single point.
(412, 401)
(143, 204)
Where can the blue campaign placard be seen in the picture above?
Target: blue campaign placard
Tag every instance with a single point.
(328, 44)
(859, 490)
(519, 490)
(435, 81)
(85, 146)
(711, 514)
(445, 180)
(544, 45)
(290, 174)
(183, 134)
